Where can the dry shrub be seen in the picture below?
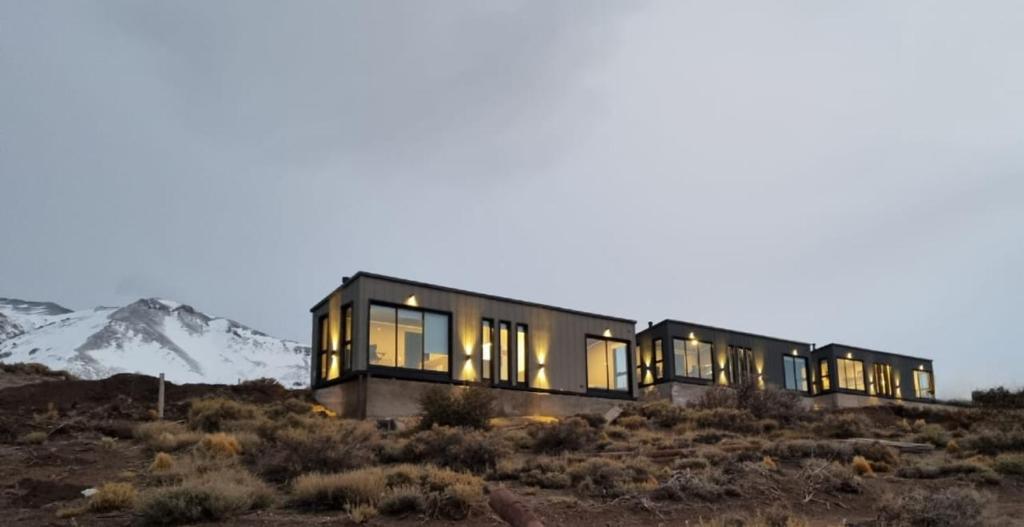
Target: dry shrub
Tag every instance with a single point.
(809, 448)
(219, 445)
(662, 413)
(112, 497)
(459, 449)
(632, 422)
(454, 502)
(767, 402)
(862, 466)
(1010, 464)
(701, 484)
(50, 416)
(844, 425)
(162, 462)
(992, 442)
(952, 507)
(617, 433)
(538, 471)
(877, 452)
(566, 435)
(471, 407)
(339, 491)
(770, 463)
(400, 500)
(306, 444)
(595, 420)
(690, 463)
(941, 470)
(608, 478)
(209, 415)
(33, 438)
(731, 419)
(166, 436)
(934, 434)
(819, 475)
(953, 447)
(362, 513)
(34, 368)
(207, 497)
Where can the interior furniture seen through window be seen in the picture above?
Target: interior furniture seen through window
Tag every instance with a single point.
(692, 359)
(851, 374)
(408, 338)
(607, 365)
(795, 372)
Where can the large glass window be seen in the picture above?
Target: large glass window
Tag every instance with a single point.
(851, 374)
(607, 365)
(503, 352)
(924, 388)
(883, 379)
(521, 353)
(795, 372)
(659, 360)
(692, 359)
(486, 348)
(408, 338)
(739, 365)
(826, 380)
(324, 346)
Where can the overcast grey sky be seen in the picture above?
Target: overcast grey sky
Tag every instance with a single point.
(818, 170)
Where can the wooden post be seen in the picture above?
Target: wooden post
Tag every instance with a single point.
(160, 399)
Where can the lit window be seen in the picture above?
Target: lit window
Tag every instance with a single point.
(795, 372)
(503, 351)
(851, 374)
(408, 338)
(659, 360)
(692, 359)
(739, 365)
(521, 354)
(923, 385)
(346, 336)
(826, 381)
(486, 348)
(607, 365)
(883, 379)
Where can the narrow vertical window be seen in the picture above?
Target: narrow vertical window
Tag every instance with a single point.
(679, 357)
(346, 337)
(324, 346)
(739, 364)
(410, 339)
(659, 360)
(521, 354)
(486, 348)
(826, 380)
(882, 374)
(503, 352)
(435, 347)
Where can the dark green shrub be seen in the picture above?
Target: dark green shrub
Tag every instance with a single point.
(471, 407)
(998, 397)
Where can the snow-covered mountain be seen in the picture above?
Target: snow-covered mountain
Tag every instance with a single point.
(149, 336)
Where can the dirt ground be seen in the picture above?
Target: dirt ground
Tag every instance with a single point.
(92, 443)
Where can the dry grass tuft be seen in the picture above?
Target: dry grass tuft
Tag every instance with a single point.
(166, 436)
(339, 491)
(209, 415)
(211, 496)
(362, 513)
(952, 507)
(862, 466)
(162, 463)
(33, 438)
(112, 497)
(219, 445)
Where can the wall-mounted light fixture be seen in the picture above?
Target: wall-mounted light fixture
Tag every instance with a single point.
(540, 366)
(607, 332)
(794, 353)
(692, 337)
(411, 301)
(849, 355)
(921, 367)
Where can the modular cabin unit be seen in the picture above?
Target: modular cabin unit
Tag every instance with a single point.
(379, 342)
(851, 376)
(679, 360)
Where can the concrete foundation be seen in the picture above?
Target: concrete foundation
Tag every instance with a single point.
(388, 398)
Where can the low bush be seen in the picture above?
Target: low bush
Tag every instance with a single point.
(405, 499)
(809, 448)
(934, 434)
(219, 445)
(828, 476)
(567, 435)
(992, 442)
(455, 502)
(166, 436)
(306, 444)
(877, 452)
(546, 473)
(593, 419)
(339, 491)
(211, 496)
(998, 397)
(763, 402)
(661, 413)
(684, 484)
(458, 449)
(112, 497)
(861, 466)
(33, 438)
(362, 513)
(632, 422)
(690, 463)
(471, 407)
(942, 470)
(844, 425)
(731, 419)
(608, 478)
(209, 415)
(162, 462)
(1009, 464)
(952, 507)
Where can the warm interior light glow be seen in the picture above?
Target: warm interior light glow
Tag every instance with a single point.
(411, 301)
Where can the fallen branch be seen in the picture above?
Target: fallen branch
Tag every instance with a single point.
(511, 508)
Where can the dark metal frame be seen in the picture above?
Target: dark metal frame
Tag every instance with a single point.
(612, 394)
(398, 371)
(807, 372)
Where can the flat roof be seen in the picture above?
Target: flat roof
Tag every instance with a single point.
(715, 328)
(859, 348)
(362, 274)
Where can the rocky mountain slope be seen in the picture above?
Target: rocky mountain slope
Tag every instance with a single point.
(148, 336)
